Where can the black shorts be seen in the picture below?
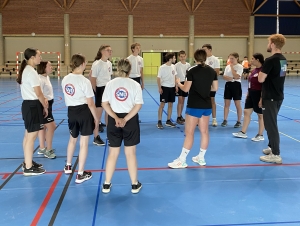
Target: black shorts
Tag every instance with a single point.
(130, 133)
(137, 79)
(168, 95)
(32, 113)
(80, 120)
(233, 90)
(98, 96)
(252, 101)
(212, 93)
(180, 92)
(49, 118)
(246, 71)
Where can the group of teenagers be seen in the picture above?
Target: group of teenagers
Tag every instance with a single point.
(122, 98)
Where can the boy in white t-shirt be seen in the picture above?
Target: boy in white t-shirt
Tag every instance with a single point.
(213, 62)
(181, 68)
(166, 80)
(137, 64)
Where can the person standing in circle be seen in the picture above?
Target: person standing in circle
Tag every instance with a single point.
(213, 62)
(253, 100)
(233, 88)
(101, 74)
(44, 69)
(181, 68)
(137, 64)
(272, 77)
(122, 99)
(34, 107)
(201, 79)
(82, 116)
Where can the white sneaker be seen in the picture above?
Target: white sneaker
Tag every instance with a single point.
(240, 134)
(177, 164)
(258, 138)
(214, 123)
(271, 158)
(267, 151)
(201, 162)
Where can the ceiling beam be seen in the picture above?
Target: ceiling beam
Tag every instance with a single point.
(259, 6)
(58, 4)
(247, 5)
(186, 5)
(71, 4)
(135, 5)
(297, 2)
(193, 5)
(198, 6)
(123, 3)
(4, 4)
(253, 5)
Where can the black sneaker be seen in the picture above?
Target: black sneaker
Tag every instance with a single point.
(224, 123)
(33, 171)
(34, 164)
(237, 124)
(102, 124)
(135, 188)
(182, 119)
(179, 121)
(159, 125)
(170, 124)
(68, 169)
(82, 178)
(101, 130)
(106, 188)
(98, 141)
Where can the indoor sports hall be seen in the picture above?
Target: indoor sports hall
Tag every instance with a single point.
(233, 188)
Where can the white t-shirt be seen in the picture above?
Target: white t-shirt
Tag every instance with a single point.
(137, 63)
(213, 62)
(76, 89)
(167, 75)
(30, 79)
(238, 68)
(102, 71)
(46, 87)
(181, 70)
(122, 94)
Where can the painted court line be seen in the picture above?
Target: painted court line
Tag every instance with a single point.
(62, 196)
(46, 200)
(258, 223)
(189, 167)
(99, 186)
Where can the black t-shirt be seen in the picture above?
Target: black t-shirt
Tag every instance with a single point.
(275, 67)
(202, 78)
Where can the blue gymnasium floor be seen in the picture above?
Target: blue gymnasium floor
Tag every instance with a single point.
(235, 188)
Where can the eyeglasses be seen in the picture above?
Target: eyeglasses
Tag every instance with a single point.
(109, 50)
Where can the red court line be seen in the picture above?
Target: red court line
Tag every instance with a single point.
(46, 200)
(189, 167)
(5, 176)
(10, 100)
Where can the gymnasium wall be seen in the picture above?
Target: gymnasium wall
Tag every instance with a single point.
(89, 46)
(151, 17)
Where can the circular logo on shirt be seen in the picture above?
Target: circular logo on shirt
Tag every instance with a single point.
(139, 62)
(173, 72)
(210, 63)
(255, 75)
(109, 69)
(70, 89)
(121, 94)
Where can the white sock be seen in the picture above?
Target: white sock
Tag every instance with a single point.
(69, 164)
(214, 118)
(80, 172)
(202, 153)
(184, 154)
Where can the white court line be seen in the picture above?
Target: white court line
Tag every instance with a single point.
(291, 107)
(257, 122)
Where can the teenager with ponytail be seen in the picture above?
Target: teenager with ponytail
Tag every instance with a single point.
(201, 80)
(34, 108)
